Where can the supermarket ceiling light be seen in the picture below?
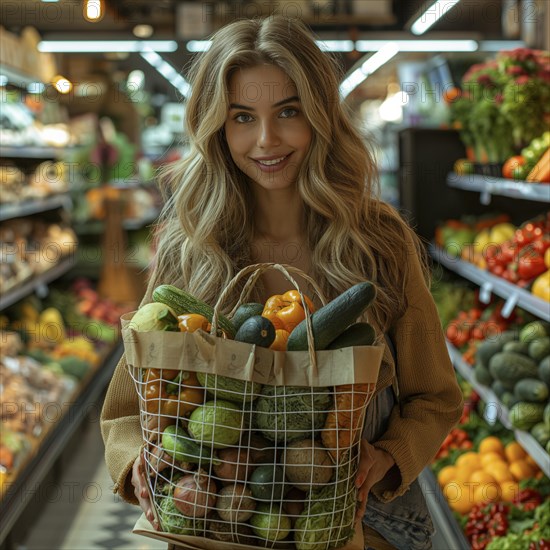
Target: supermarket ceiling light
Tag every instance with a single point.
(168, 72)
(106, 46)
(432, 14)
(93, 10)
(372, 64)
(61, 84)
(419, 45)
(325, 45)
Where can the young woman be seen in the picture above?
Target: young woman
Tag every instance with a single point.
(277, 172)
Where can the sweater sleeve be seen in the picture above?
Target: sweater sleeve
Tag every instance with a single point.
(121, 430)
(430, 399)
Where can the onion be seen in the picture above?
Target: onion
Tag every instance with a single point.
(233, 466)
(235, 503)
(195, 494)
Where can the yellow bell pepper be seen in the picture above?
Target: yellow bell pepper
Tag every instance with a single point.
(541, 286)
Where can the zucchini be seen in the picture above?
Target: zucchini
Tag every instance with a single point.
(547, 415)
(177, 443)
(511, 367)
(256, 330)
(509, 399)
(524, 416)
(532, 390)
(500, 389)
(244, 312)
(358, 334)
(331, 320)
(182, 302)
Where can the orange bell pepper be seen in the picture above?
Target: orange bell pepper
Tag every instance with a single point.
(285, 311)
(190, 322)
(281, 338)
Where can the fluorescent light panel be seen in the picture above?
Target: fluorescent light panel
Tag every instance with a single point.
(168, 72)
(106, 46)
(419, 45)
(500, 45)
(325, 45)
(432, 14)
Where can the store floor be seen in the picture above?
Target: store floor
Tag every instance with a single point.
(84, 514)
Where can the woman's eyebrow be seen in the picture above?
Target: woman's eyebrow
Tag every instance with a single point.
(278, 104)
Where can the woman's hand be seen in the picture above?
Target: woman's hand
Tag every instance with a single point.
(140, 490)
(374, 464)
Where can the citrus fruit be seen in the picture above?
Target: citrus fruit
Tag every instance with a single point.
(464, 473)
(531, 461)
(458, 496)
(501, 472)
(487, 459)
(488, 492)
(446, 475)
(481, 477)
(470, 460)
(491, 444)
(520, 469)
(509, 490)
(514, 451)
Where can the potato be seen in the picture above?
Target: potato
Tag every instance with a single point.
(235, 503)
(307, 464)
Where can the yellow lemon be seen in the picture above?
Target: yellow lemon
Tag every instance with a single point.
(446, 475)
(491, 444)
(514, 451)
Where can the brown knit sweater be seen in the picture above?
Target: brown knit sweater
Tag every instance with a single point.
(430, 400)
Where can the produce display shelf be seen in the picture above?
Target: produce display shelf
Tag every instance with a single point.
(26, 484)
(513, 294)
(496, 410)
(28, 207)
(17, 78)
(490, 185)
(38, 282)
(447, 528)
(31, 152)
(96, 227)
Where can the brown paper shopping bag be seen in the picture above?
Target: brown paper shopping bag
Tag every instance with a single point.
(249, 465)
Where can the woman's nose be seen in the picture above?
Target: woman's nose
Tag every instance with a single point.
(268, 135)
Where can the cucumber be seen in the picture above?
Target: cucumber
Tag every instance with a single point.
(331, 320)
(244, 312)
(546, 417)
(539, 348)
(541, 432)
(544, 370)
(532, 390)
(488, 348)
(517, 347)
(500, 388)
(182, 302)
(509, 399)
(177, 443)
(358, 334)
(256, 330)
(524, 416)
(532, 331)
(482, 374)
(512, 367)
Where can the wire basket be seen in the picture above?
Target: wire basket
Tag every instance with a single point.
(246, 447)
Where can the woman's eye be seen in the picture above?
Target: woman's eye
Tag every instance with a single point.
(243, 117)
(290, 112)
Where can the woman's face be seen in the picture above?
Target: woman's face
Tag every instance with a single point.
(266, 131)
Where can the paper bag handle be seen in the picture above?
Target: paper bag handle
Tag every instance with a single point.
(257, 270)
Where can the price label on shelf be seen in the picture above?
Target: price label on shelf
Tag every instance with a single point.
(490, 414)
(485, 292)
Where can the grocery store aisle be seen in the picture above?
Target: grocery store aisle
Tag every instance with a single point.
(83, 513)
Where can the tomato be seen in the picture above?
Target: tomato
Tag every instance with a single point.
(510, 164)
(183, 404)
(154, 392)
(531, 265)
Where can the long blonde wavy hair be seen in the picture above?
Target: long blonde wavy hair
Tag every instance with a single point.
(206, 229)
